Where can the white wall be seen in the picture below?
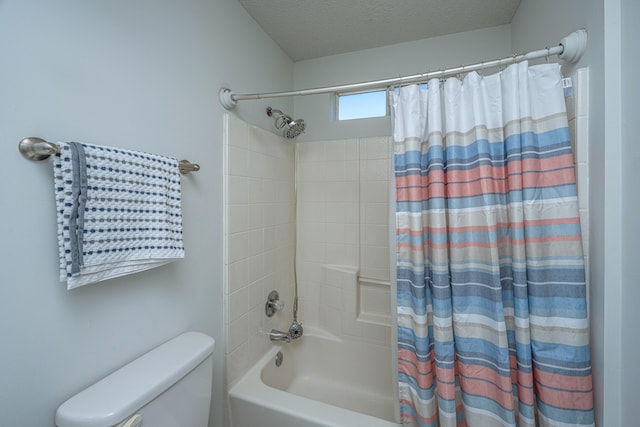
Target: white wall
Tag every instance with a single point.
(630, 207)
(141, 75)
(380, 63)
(541, 23)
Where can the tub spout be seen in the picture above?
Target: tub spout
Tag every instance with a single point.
(276, 335)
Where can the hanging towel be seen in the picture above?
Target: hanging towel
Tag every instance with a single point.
(118, 212)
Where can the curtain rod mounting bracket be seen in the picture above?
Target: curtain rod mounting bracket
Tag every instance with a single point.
(227, 98)
(574, 46)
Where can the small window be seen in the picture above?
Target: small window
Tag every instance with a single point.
(362, 105)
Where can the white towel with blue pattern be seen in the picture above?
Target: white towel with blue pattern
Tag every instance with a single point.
(118, 211)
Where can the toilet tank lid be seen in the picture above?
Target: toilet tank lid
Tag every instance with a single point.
(112, 399)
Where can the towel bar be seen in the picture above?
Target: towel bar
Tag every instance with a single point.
(34, 148)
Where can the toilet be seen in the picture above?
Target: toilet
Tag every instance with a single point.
(170, 386)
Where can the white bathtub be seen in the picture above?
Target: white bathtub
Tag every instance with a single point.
(322, 382)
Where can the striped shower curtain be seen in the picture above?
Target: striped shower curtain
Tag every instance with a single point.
(492, 315)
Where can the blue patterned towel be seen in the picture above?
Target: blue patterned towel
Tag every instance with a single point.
(119, 212)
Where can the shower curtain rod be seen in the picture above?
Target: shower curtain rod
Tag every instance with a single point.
(571, 49)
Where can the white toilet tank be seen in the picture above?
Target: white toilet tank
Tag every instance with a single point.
(170, 386)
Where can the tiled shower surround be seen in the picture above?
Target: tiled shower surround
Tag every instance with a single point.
(343, 244)
(342, 232)
(259, 232)
(578, 115)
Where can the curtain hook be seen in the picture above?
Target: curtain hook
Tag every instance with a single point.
(546, 58)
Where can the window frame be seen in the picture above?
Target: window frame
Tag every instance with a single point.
(338, 95)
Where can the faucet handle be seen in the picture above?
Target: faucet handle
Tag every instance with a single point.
(273, 304)
(277, 305)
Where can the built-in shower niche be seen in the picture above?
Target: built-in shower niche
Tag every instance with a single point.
(373, 302)
(355, 308)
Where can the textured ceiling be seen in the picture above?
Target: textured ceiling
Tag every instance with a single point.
(307, 29)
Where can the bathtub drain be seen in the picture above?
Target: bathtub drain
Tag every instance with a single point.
(279, 357)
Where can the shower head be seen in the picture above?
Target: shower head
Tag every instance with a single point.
(293, 128)
(288, 127)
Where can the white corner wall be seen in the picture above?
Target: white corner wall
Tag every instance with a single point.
(142, 75)
(630, 106)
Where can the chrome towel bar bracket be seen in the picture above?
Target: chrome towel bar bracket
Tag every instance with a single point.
(186, 167)
(34, 148)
